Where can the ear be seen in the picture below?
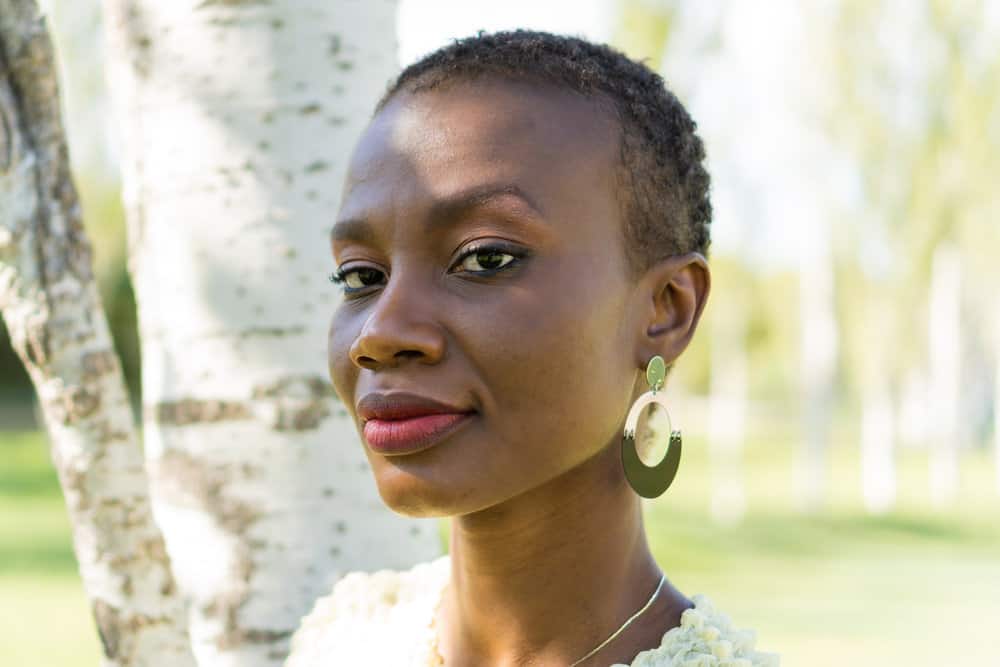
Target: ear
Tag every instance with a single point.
(676, 289)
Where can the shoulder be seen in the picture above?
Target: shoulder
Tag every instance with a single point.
(706, 637)
(384, 614)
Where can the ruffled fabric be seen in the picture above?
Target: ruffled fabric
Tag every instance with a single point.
(379, 619)
(384, 618)
(705, 638)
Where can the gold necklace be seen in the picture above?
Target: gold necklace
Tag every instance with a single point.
(437, 660)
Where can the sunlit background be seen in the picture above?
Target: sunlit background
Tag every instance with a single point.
(840, 488)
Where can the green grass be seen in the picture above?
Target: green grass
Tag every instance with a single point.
(916, 587)
(46, 621)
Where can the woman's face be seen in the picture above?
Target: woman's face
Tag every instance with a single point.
(533, 332)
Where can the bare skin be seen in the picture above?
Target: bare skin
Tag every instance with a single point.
(549, 555)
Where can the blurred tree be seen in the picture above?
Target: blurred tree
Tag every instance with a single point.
(729, 391)
(237, 120)
(915, 109)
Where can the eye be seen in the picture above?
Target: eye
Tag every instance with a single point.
(484, 259)
(357, 279)
(481, 260)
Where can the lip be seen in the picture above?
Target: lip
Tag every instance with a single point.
(404, 423)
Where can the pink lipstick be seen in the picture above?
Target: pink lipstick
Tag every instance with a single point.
(403, 423)
(404, 436)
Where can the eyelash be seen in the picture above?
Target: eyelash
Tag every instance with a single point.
(339, 276)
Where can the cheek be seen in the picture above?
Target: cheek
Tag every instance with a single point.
(342, 371)
(556, 370)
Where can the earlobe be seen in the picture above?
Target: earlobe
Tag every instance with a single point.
(680, 286)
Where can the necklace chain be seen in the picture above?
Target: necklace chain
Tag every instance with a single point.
(649, 603)
(438, 659)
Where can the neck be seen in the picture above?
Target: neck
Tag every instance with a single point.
(549, 574)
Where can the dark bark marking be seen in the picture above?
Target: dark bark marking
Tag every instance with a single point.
(229, 603)
(257, 636)
(107, 619)
(34, 348)
(191, 411)
(75, 403)
(138, 43)
(303, 402)
(112, 626)
(83, 403)
(186, 479)
(6, 142)
(231, 3)
(97, 364)
(271, 331)
(72, 481)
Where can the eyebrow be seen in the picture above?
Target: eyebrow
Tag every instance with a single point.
(442, 211)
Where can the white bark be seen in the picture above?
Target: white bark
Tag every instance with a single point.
(878, 454)
(913, 417)
(52, 309)
(878, 465)
(238, 117)
(945, 372)
(996, 399)
(819, 359)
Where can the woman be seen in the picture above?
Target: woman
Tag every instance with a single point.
(522, 236)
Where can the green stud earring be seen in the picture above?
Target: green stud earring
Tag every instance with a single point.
(656, 373)
(650, 481)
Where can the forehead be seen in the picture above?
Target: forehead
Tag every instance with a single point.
(558, 147)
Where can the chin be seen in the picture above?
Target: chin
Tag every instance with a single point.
(418, 498)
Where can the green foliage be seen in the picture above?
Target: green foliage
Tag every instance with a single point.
(643, 29)
(921, 131)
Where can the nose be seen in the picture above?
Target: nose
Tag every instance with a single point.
(399, 326)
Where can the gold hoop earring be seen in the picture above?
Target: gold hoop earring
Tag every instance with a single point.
(650, 481)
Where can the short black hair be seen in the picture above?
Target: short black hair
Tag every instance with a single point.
(666, 205)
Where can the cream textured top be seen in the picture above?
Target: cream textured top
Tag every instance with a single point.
(384, 618)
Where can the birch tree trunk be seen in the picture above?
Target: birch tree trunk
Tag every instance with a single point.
(996, 421)
(50, 303)
(819, 361)
(878, 455)
(945, 372)
(238, 117)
